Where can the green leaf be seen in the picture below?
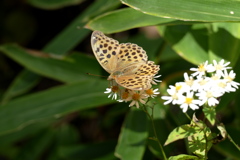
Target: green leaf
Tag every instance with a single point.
(9, 152)
(66, 69)
(28, 131)
(168, 54)
(200, 42)
(23, 83)
(119, 20)
(190, 42)
(183, 157)
(53, 4)
(102, 151)
(181, 132)
(74, 33)
(36, 146)
(67, 135)
(194, 10)
(224, 42)
(52, 103)
(210, 114)
(200, 143)
(133, 136)
(60, 46)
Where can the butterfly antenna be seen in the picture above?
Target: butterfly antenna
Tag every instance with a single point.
(95, 75)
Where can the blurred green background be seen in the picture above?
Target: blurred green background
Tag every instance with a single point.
(51, 109)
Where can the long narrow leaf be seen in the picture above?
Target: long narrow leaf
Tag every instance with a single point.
(194, 10)
(66, 69)
(52, 103)
(61, 44)
(124, 19)
(132, 139)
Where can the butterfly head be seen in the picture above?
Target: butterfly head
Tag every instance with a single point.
(115, 75)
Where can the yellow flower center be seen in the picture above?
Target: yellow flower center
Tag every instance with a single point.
(228, 78)
(149, 92)
(221, 84)
(178, 87)
(218, 67)
(201, 68)
(188, 100)
(202, 82)
(125, 95)
(189, 82)
(136, 96)
(174, 96)
(214, 77)
(115, 89)
(209, 94)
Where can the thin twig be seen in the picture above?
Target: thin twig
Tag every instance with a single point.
(155, 132)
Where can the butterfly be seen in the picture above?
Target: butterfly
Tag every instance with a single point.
(126, 63)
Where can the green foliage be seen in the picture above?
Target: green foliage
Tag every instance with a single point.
(53, 4)
(205, 10)
(181, 132)
(133, 136)
(62, 68)
(210, 114)
(115, 21)
(51, 109)
(183, 157)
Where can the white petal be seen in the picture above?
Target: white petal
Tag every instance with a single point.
(193, 106)
(132, 103)
(184, 107)
(212, 101)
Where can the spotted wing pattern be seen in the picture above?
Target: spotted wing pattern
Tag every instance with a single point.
(105, 50)
(149, 69)
(135, 82)
(129, 54)
(127, 63)
(141, 79)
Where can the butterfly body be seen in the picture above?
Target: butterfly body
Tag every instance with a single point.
(127, 63)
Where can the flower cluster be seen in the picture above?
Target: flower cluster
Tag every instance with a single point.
(204, 86)
(135, 97)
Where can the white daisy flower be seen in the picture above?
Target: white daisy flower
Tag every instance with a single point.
(137, 97)
(201, 83)
(215, 82)
(125, 96)
(223, 86)
(188, 101)
(208, 88)
(182, 87)
(174, 96)
(113, 92)
(229, 77)
(209, 96)
(152, 93)
(202, 69)
(220, 66)
(188, 79)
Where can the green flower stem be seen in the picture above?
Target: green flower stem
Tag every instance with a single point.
(232, 141)
(188, 116)
(155, 132)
